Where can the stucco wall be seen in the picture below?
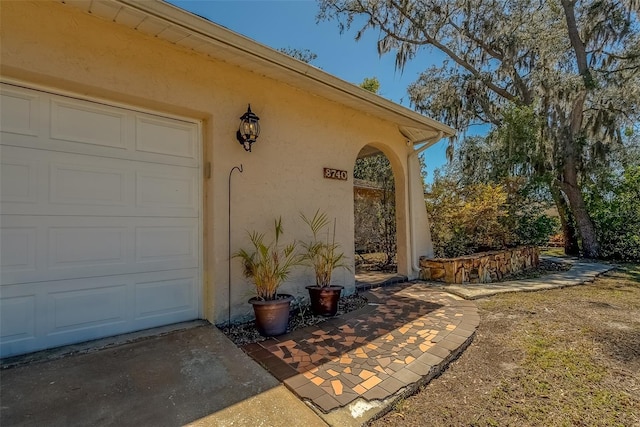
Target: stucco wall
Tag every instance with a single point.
(56, 46)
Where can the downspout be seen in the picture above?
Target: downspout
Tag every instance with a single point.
(414, 256)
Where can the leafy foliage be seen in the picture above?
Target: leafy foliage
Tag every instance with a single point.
(372, 84)
(616, 211)
(536, 229)
(268, 264)
(322, 253)
(465, 219)
(483, 216)
(304, 55)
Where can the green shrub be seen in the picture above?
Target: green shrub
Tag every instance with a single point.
(481, 217)
(536, 230)
(615, 210)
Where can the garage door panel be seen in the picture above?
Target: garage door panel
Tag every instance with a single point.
(165, 297)
(75, 246)
(35, 119)
(177, 191)
(47, 314)
(166, 244)
(52, 145)
(80, 309)
(72, 184)
(18, 249)
(100, 226)
(35, 248)
(20, 112)
(40, 182)
(17, 318)
(165, 136)
(18, 179)
(88, 123)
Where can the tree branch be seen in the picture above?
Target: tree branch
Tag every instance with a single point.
(494, 53)
(576, 42)
(502, 92)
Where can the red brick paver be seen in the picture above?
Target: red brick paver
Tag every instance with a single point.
(404, 333)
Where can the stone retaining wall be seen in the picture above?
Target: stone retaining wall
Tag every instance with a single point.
(483, 267)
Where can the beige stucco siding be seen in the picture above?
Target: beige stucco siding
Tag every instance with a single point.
(58, 47)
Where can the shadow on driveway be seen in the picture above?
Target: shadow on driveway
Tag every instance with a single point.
(189, 376)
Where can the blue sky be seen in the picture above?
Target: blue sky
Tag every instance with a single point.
(282, 24)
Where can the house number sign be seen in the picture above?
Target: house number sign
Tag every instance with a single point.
(330, 173)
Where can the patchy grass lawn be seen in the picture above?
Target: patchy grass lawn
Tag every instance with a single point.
(566, 357)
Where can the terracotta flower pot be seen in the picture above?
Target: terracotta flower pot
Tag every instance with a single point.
(272, 317)
(324, 300)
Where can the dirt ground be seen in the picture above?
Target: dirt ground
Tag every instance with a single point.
(374, 262)
(566, 357)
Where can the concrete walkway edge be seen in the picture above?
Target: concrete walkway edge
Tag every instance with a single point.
(580, 273)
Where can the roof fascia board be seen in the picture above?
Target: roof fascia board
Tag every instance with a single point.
(228, 39)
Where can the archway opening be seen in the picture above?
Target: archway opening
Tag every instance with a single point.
(376, 242)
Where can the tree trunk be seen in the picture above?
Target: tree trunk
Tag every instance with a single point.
(571, 246)
(569, 182)
(569, 185)
(567, 222)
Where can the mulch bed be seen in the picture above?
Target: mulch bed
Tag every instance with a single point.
(301, 317)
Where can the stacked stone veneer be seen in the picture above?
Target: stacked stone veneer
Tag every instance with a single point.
(483, 267)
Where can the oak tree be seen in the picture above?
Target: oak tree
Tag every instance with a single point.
(573, 62)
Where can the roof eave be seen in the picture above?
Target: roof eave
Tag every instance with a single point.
(300, 74)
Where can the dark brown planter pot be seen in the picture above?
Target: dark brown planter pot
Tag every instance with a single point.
(324, 300)
(272, 317)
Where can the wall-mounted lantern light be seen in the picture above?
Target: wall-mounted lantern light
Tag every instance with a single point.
(249, 129)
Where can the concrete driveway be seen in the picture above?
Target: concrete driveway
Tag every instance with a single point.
(193, 376)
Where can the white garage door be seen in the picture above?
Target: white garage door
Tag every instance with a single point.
(100, 220)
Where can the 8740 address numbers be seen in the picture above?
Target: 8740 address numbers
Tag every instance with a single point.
(330, 173)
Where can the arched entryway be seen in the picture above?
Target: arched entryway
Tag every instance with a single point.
(376, 223)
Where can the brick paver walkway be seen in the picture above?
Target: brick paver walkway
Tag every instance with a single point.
(404, 334)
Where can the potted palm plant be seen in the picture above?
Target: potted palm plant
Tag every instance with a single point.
(323, 254)
(267, 265)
